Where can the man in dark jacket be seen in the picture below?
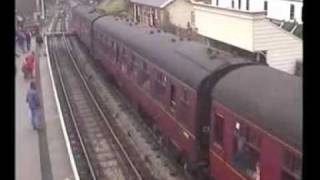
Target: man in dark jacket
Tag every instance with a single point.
(28, 39)
(33, 102)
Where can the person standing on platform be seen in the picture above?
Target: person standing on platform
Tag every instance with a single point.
(39, 39)
(21, 40)
(28, 40)
(34, 104)
(28, 65)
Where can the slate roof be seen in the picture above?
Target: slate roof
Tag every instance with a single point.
(288, 26)
(269, 98)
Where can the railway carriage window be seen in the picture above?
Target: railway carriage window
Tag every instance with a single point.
(218, 129)
(123, 51)
(245, 156)
(144, 66)
(112, 44)
(144, 79)
(173, 97)
(291, 166)
(123, 66)
(105, 40)
(252, 137)
(162, 79)
(159, 85)
(130, 67)
(117, 53)
(185, 96)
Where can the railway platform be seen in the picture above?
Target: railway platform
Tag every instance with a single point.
(27, 156)
(39, 154)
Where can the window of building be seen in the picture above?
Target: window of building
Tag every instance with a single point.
(291, 166)
(261, 57)
(155, 14)
(266, 7)
(232, 4)
(192, 18)
(239, 4)
(172, 97)
(218, 129)
(245, 156)
(299, 68)
(291, 11)
(248, 5)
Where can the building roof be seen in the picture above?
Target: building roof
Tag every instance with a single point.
(269, 98)
(298, 31)
(154, 3)
(289, 26)
(113, 6)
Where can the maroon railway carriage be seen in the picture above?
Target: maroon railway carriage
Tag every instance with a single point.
(154, 72)
(147, 67)
(257, 125)
(171, 82)
(81, 25)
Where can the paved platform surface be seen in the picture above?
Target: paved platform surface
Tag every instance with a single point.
(27, 159)
(59, 158)
(40, 155)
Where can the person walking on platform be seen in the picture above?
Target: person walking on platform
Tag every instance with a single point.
(34, 104)
(28, 40)
(21, 40)
(39, 39)
(28, 65)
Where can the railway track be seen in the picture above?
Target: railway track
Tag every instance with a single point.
(92, 136)
(100, 146)
(133, 127)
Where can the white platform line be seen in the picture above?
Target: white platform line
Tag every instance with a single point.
(71, 157)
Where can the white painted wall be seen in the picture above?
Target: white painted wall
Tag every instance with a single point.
(280, 9)
(283, 48)
(277, 9)
(252, 32)
(254, 5)
(231, 27)
(180, 13)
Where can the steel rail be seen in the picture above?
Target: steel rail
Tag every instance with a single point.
(137, 173)
(65, 94)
